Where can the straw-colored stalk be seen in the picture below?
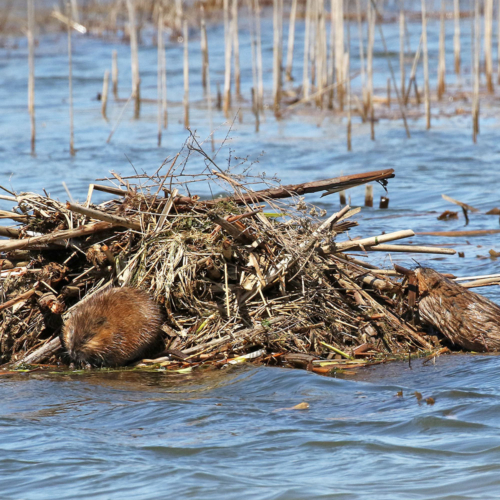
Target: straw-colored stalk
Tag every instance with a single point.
(186, 75)
(476, 69)
(206, 74)
(488, 31)
(369, 195)
(259, 54)
(498, 41)
(104, 96)
(427, 97)
(291, 41)
(371, 14)
(114, 73)
(456, 36)
(321, 52)
(204, 49)
(253, 46)
(441, 84)
(70, 83)
(74, 11)
(236, 48)
(31, 64)
(178, 16)
(305, 68)
(331, 56)
(134, 58)
(227, 47)
(339, 50)
(402, 50)
(348, 90)
(160, 70)
(412, 80)
(277, 17)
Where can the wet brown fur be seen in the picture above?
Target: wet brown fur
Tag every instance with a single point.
(113, 328)
(467, 318)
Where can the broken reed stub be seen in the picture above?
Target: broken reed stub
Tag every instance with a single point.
(384, 202)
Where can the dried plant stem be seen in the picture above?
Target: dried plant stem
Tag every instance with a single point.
(441, 86)
(70, 85)
(31, 64)
(104, 96)
(236, 49)
(134, 58)
(488, 32)
(186, 76)
(371, 14)
(114, 73)
(339, 50)
(227, 47)
(305, 68)
(476, 74)
(427, 97)
(291, 41)
(456, 35)
(402, 50)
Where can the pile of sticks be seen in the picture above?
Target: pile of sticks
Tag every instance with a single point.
(258, 275)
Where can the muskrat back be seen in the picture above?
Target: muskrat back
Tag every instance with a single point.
(113, 327)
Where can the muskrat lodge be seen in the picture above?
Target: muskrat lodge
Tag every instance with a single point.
(161, 281)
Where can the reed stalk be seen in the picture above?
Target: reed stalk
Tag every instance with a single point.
(441, 85)
(114, 73)
(276, 55)
(208, 92)
(227, 47)
(476, 74)
(321, 63)
(291, 41)
(70, 83)
(305, 67)
(488, 32)
(259, 54)
(361, 60)
(134, 58)
(236, 49)
(331, 56)
(31, 65)
(402, 50)
(348, 90)
(104, 95)
(370, 14)
(456, 36)
(498, 41)
(186, 75)
(339, 50)
(427, 97)
(160, 70)
(178, 17)
(204, 49)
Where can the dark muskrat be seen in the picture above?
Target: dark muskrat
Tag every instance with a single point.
(466, 318)
(114, 327)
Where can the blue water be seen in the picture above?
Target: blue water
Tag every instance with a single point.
(230, 433)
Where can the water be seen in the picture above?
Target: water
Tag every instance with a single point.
(231, 433)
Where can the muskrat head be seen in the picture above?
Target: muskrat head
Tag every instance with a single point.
(84, 338)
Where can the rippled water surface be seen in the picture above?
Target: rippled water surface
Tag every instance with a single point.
(231, 434)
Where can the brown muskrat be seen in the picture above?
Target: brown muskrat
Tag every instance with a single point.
(113, 327)
(466, 318)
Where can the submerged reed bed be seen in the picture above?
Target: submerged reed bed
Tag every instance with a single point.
(255, 275)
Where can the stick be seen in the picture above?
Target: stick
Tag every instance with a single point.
(41, 354)
(454, 234)
(333, 185)
(374, 240)
(97, 214)
(406, 248)
(6, 246)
